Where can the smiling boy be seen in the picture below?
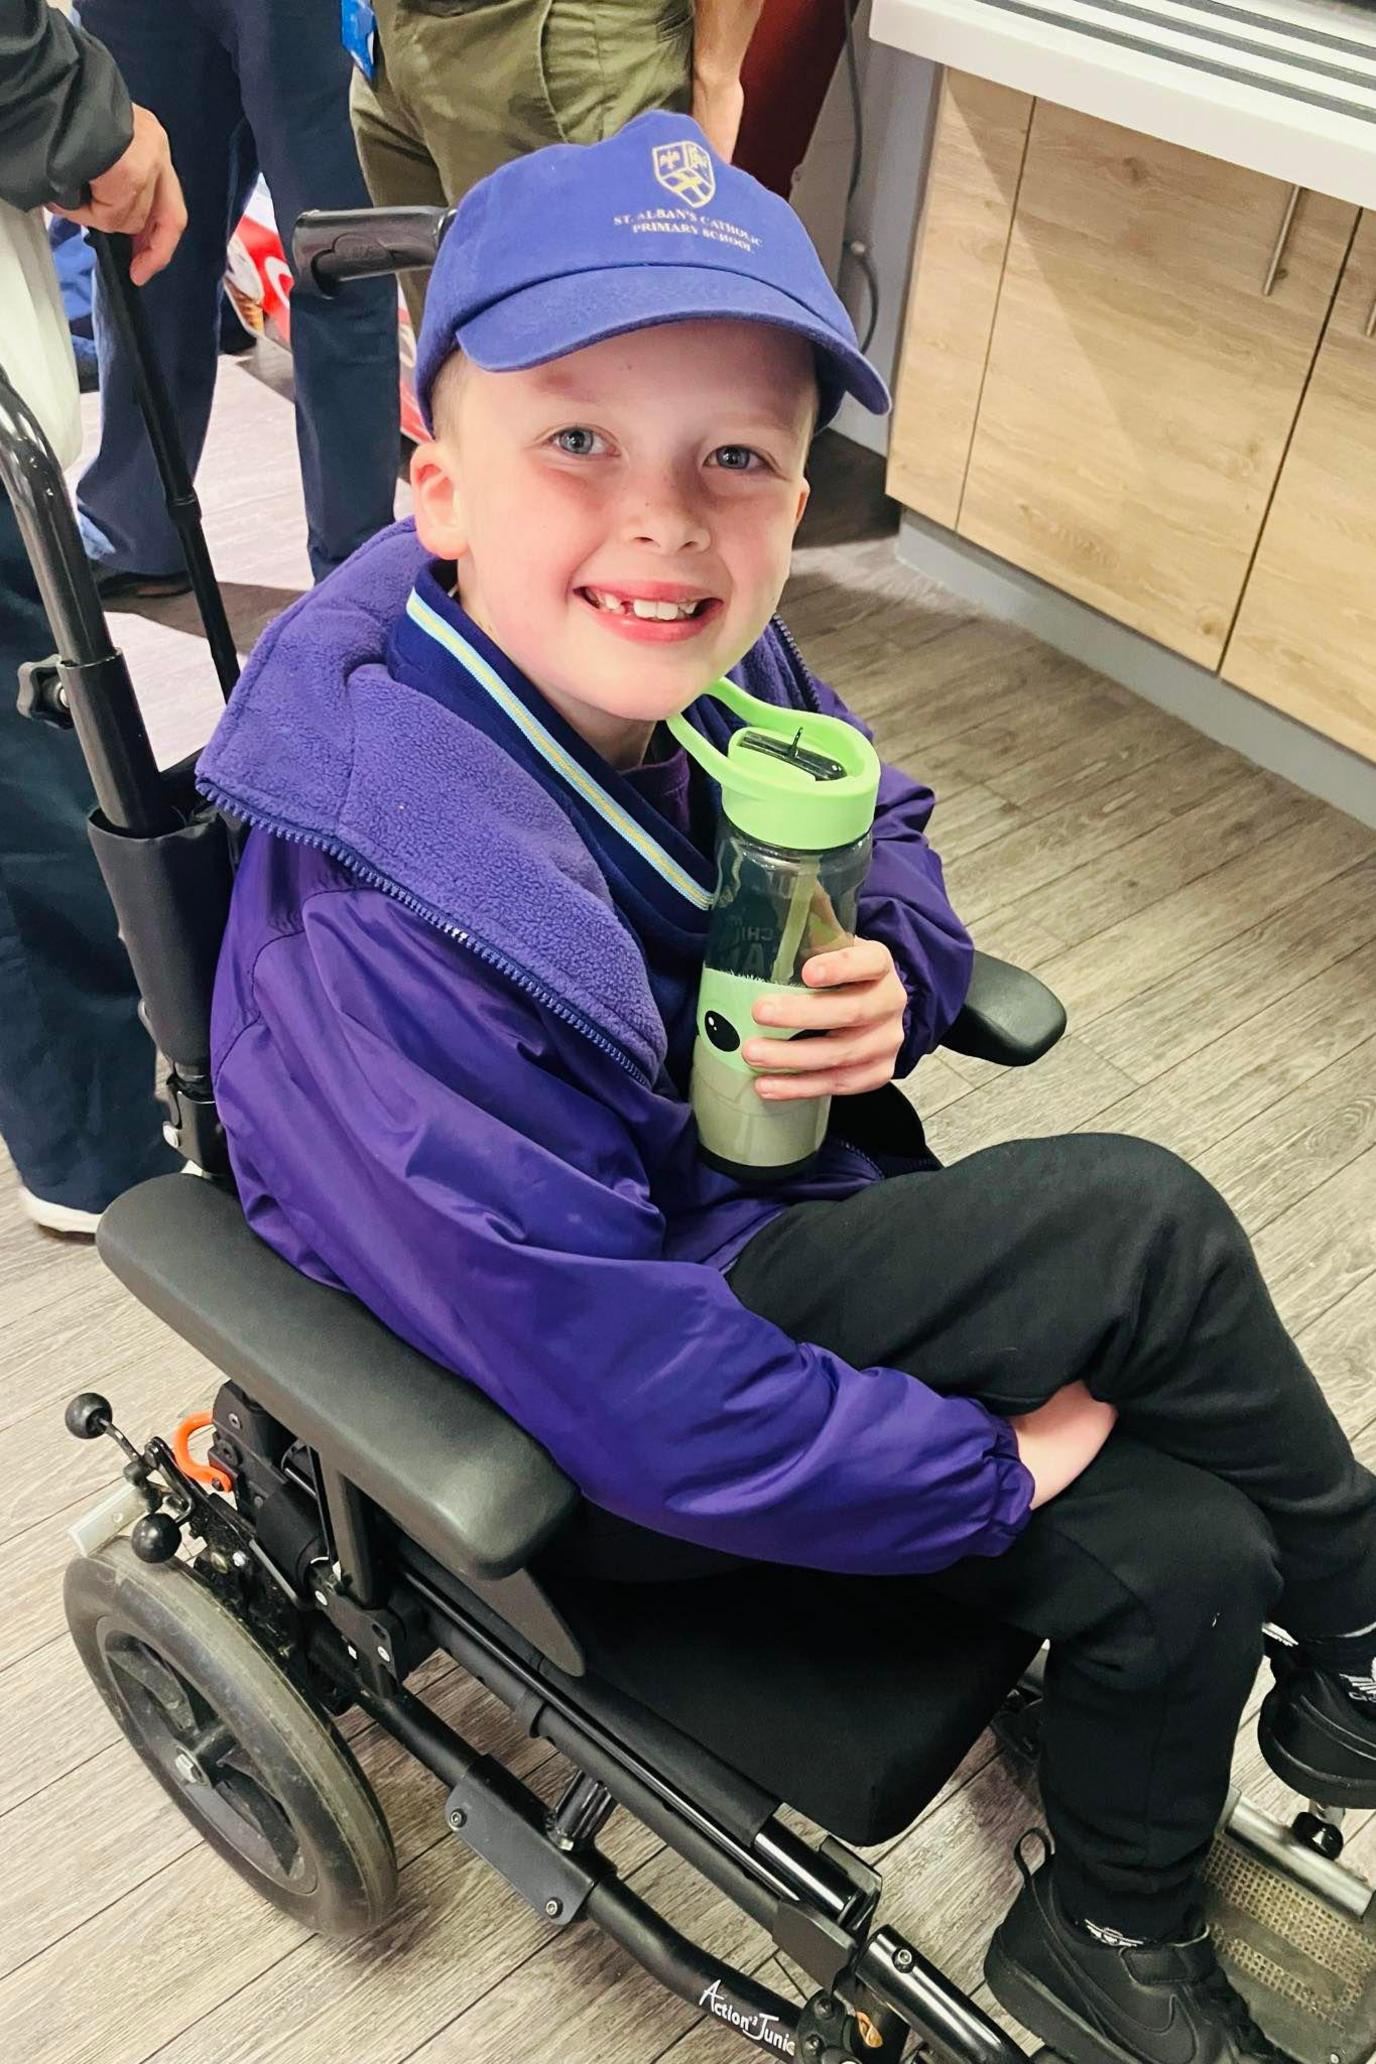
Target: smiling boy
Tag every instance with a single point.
(453, 1027)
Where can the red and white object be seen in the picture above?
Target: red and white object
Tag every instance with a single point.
(258, 282)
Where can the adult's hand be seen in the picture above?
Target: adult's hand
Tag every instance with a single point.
(139, 196)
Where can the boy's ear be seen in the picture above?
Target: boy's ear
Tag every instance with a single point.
(440, 524)
(804, 491)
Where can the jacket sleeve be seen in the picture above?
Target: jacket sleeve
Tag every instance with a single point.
(904, 904)
(64, 112)
(447, 1154)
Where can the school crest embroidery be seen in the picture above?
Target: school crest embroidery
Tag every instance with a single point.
(685, 170)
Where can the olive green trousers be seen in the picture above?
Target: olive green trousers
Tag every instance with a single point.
(462, 86)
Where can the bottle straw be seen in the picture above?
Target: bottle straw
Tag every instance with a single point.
(799, 903)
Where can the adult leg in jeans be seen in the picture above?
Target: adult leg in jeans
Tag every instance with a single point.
(233, 82)
(294, 78)
(173, 64)
(1105, 1259)
(77, 1109)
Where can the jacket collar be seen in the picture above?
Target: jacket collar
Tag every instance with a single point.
(439, 649)
(322, 743)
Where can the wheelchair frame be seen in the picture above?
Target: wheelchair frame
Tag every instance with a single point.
(327, 1581)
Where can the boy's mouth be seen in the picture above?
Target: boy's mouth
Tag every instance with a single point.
(657, 612)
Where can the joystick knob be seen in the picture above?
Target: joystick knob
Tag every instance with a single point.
(88, 1416)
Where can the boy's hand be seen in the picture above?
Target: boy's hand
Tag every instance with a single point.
(855, 1017)
(1061, 1438)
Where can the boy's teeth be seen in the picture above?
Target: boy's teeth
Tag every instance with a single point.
(665, 611)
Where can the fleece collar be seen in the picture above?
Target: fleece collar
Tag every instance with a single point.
(438, 648)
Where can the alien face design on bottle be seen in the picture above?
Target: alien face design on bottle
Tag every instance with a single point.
(720, 1031)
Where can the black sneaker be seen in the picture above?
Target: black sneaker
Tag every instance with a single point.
(116, 585)
(1099, 2003)
(1317, 1739)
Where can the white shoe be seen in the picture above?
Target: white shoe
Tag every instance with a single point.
(58, 1218)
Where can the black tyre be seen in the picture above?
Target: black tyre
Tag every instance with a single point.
(253, 1764)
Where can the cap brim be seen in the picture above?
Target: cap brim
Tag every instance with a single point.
(554, 317)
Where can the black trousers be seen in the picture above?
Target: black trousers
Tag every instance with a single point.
(1226, 1495)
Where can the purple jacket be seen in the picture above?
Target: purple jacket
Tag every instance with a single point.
(443, 1077)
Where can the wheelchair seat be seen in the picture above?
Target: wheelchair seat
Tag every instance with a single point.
(859, 1732)
(850, 1698)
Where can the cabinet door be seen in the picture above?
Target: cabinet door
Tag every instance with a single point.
(1306, 633)
(1142, 383)
(962, 239)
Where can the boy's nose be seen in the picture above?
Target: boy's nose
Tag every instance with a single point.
(669, 521)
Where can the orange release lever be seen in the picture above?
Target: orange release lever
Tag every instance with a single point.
(199, 1472)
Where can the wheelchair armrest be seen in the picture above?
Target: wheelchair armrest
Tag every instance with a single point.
(439, 1458)
(1008, 1016)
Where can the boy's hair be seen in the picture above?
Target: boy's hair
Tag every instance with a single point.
(444, 395)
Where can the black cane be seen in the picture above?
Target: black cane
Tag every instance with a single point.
(127, 314)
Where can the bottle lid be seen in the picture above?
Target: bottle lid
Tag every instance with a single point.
(791, 778)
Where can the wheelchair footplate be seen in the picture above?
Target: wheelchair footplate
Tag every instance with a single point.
(1303, 1955)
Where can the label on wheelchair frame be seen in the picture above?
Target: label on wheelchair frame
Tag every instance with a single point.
(765, 2029)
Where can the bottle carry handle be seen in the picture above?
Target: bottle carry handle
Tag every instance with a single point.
(853, 757)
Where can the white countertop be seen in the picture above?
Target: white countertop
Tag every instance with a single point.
(1286, 87)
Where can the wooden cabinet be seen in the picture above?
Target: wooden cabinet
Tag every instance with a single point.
(962, 241)
(1108, 343)
(1141, 382)
(1305, 637)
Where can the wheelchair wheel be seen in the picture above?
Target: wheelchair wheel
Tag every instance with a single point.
(253, 1764)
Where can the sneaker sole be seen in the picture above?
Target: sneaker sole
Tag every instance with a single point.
(1045, 2016)
(152, 588)
(1302, 1777)
(59, 1218)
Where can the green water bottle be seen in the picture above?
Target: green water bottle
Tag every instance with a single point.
(793, 849)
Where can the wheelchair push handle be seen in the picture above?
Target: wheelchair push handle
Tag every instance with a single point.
(89, 684)
(331, 245)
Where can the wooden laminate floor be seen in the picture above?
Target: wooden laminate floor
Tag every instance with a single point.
(1213, 933)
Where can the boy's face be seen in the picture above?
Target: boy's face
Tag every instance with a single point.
(665, 465)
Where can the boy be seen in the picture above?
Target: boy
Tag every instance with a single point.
(453, 1028)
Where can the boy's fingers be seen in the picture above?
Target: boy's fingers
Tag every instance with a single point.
(832, 1082)
(863, 961)
(808, 1011)
(798, 1056)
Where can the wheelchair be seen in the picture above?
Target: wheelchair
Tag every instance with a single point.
(360, 1510)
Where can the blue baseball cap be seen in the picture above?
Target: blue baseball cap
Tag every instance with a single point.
(578, 242)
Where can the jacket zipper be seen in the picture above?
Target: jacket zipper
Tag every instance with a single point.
(514, 973)
(804, 670)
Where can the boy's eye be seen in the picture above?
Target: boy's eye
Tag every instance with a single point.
(577, 441)
(736, 458)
